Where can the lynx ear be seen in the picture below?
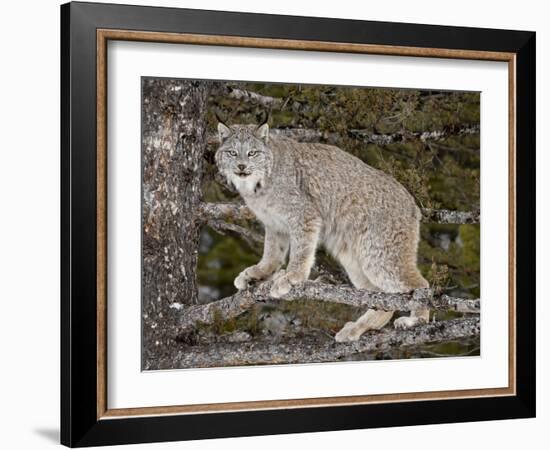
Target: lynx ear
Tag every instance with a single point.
(223, 131)
(262, 132)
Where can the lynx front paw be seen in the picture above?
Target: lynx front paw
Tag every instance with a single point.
(349, 333)
(404, 323)
(246, 276)
(241, 282)
(281, 286)
(278, 274)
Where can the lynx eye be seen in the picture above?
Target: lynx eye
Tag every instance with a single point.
(232, 152)
(252, 153)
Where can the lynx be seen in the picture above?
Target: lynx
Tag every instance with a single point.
(308, 195)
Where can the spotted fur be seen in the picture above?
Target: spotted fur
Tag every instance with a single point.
(307, 195)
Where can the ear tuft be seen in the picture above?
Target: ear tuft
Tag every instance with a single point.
(223, 132)
(262, 132)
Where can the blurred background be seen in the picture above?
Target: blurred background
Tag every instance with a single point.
(427, 140)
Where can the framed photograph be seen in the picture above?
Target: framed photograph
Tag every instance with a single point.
(276, 224)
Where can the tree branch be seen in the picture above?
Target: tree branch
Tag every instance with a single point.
(265, 101)
(447, 216)
(254, 97)
(241, 301)
(314, 350)
(237, 211)
(252, 238)
(224, 211)
(313, 135)
(401, 136)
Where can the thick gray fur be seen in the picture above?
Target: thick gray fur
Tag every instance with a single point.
(309, 194)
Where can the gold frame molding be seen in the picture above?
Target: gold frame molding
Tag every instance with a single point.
(103, 36)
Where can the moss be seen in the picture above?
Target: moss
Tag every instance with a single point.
(461, 258)
(220, 264)
(321, 315)
(311, 315)
(439, 276)
(439, 174)
(469, 234)
(468, 347)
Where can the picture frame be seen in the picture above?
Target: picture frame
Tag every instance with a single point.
(86, 418)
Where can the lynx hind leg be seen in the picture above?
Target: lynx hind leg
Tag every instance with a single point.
(395, 276)
(417, 317)
(371, 320)
(351, 264)
(393, 267)
(389, 256)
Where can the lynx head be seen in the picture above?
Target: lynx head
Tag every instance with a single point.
(244, 157)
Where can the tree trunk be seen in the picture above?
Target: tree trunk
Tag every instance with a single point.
(173, 145)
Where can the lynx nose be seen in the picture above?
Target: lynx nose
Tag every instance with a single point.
(241, 167)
